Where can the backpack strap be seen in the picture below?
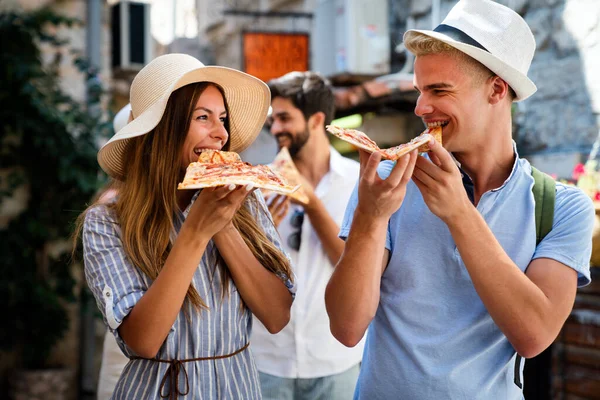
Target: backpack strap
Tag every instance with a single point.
(544, 195)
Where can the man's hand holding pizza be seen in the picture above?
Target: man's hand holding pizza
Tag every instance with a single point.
(440, 183)
(308, 190)
(377, 197)
(279, 205)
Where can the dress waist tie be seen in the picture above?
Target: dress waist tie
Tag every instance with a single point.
(175, 366)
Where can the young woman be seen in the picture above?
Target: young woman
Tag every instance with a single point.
(178, 274)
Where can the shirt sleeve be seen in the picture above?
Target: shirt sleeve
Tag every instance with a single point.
(261, 212)
(115, 283)
(570, 240)
(383, 171)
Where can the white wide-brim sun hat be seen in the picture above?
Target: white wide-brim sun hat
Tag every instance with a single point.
(492, 34)
(248, 99)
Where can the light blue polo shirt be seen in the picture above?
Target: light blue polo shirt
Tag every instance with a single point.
(432, 337)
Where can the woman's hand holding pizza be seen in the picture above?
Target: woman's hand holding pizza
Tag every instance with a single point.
(215, 207)
(382, 197)
(440, 183)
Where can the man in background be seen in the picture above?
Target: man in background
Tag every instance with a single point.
(441, 261)
(304, 360)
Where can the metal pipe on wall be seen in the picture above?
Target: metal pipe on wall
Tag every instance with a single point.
(408, 64)
(94, 32)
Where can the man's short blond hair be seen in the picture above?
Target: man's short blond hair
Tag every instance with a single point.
(421, 45)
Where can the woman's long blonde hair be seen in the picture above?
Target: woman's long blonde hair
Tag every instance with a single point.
(146, 205)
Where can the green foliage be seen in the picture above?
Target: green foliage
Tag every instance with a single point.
(48, 146)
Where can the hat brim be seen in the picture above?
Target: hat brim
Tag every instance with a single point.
(248, 99)
(519, 82)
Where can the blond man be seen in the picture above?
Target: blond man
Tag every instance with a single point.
(441, 259)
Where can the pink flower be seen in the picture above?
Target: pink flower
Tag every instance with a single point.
(597, 196)
(578, 171)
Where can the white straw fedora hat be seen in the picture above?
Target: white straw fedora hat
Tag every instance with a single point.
(248, 99)
(492, 34)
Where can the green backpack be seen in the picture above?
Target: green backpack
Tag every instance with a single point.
(544, 193)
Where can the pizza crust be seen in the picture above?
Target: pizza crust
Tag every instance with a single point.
(395, 153)
(240, 181)
(436, 132)
(219, 157)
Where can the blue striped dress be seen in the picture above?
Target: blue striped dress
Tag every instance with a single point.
(117, 286)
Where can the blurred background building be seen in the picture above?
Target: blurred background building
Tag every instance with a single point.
(357, 44)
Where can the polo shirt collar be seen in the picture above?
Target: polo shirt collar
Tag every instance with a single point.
(515, 168)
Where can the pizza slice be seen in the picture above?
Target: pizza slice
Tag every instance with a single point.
(357, 138)
(284, 165)
(228, 168)
(436, 132)
(219, 156)
(361, 140)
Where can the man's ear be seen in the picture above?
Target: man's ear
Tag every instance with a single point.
(316, 120)
(499, 90)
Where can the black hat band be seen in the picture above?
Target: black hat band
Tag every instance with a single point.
(458, 35)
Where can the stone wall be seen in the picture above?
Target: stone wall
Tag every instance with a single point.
(558, 125)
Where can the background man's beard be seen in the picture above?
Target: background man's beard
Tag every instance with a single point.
(296, 143)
